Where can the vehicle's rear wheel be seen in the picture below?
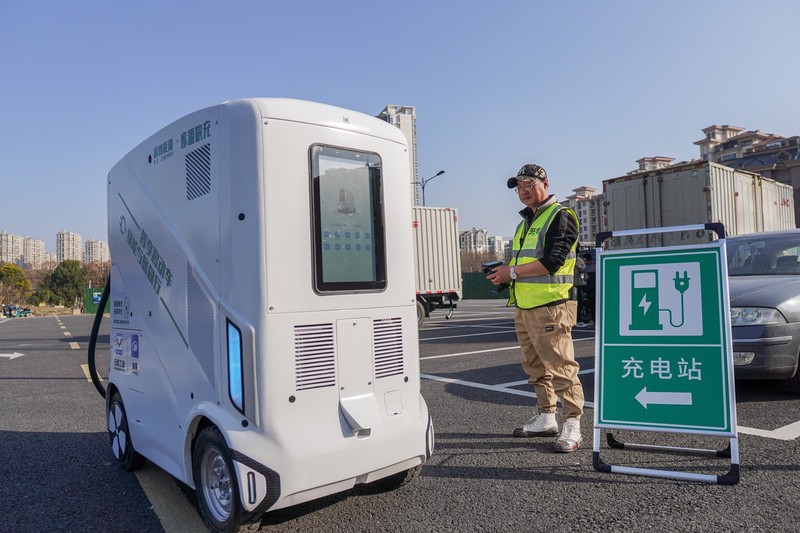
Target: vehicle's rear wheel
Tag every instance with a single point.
(121, 445)
(215, 482)
(420, 313)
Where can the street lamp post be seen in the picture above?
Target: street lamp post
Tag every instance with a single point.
(425, 182)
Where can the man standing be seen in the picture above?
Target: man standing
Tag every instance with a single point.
(540, 274)
(591, 286)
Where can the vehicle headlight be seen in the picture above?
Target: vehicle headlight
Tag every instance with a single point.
(755, 316)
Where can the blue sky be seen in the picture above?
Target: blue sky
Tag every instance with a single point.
(584, 88)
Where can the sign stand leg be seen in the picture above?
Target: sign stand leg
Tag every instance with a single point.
(618, 445)
(730, 478)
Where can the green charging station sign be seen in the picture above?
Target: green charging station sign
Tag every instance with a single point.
(663, 362)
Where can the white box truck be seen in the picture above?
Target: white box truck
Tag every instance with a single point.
(437, 259)
(694, 193)
(264, 343)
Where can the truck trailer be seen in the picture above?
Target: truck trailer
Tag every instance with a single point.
(437, 259)
(264, 343)
(694, 193)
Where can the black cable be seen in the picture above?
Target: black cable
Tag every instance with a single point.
(98, 318)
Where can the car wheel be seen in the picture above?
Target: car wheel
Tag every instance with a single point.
(395, 481)
(215, 482)
(121, 445)
(793, 383)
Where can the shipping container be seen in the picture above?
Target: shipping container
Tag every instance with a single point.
(694, 193)
(437, 259)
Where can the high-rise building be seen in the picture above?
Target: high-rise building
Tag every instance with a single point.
(405, 118)
(33, 253)
(68, 246)
(588, 206)
(95, 252)
(25, 252)
(11, 248)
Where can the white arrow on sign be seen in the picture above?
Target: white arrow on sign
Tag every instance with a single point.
(11, 355)
(663, 398)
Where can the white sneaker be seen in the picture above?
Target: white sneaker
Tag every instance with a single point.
(580, 325)
(541, 425)
(570, 438)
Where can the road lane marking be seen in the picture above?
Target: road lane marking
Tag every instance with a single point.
(63, 327)
(788, 432)
(494, 388)
(466, 335)
(67, 334)
(74, 346)
(86, 373)
(525, 381)
(469, 353)
(169, 503)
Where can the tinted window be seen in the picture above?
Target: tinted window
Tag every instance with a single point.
(764, 254)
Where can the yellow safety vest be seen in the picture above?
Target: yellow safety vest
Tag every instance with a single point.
(528, 246)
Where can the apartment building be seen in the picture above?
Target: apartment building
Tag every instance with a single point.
(68, 246)
(771, 155)
(405, 118)
(474, 240)
(95, 252)
(24, 252)
(588, 206)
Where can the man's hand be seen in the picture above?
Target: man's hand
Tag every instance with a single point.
(501, 274)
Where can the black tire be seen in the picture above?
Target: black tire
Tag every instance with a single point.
(120, 436)
(215, 482)
(395, 481)
(793, 383)
(420, 313)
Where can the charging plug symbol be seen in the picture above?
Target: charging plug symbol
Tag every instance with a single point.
(681, 283)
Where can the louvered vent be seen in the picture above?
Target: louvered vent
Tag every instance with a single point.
(201, 325)
(314, 357)
(198, 172)
(388, 347)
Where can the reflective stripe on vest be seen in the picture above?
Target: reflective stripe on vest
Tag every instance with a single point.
(535, 291)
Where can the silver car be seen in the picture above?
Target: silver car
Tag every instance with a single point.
(764, 277)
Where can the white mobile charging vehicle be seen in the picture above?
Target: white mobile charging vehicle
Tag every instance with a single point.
(264, 344)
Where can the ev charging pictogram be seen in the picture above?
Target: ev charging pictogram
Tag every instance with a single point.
(663, 299)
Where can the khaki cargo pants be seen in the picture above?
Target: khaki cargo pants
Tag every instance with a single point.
(548, 356)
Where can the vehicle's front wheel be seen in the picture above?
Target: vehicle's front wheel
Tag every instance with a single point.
(395, 481)
(120, 435)
(215, 482)
(793, 383)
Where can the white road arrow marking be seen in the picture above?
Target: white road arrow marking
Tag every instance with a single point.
(11, 355)
(663, 398)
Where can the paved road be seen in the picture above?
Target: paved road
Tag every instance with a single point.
(54, 451)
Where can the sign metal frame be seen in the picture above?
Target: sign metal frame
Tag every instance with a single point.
(684, 344)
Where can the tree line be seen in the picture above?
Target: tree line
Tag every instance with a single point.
(63, 285)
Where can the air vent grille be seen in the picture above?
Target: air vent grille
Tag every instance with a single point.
(198, 172)
(388, 347)
(201, 319)
(314, 356)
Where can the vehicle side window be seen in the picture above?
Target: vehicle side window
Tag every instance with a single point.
(235, 379)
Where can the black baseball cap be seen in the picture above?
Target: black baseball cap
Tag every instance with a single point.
(527, 173)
